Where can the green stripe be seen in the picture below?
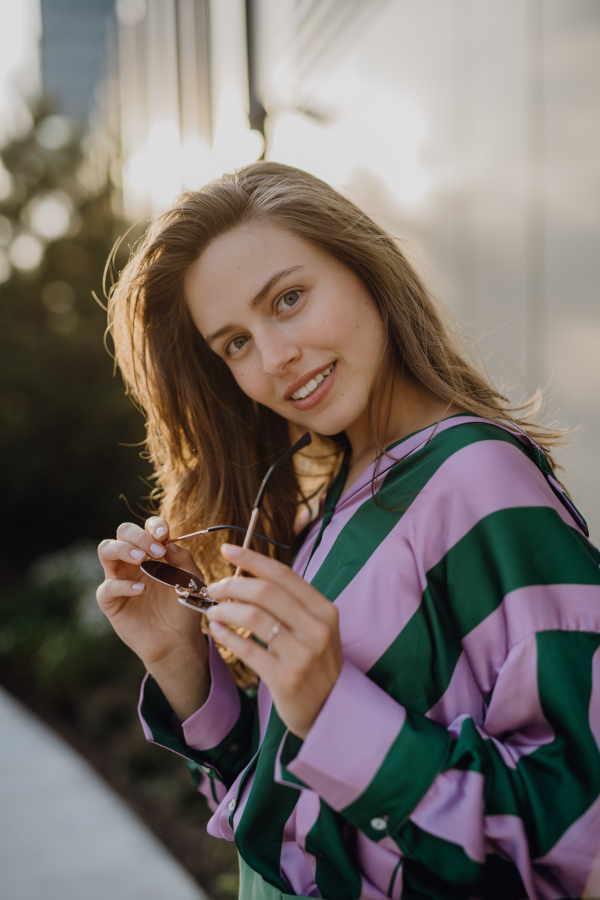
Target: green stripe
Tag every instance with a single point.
(259, 834)
(445, 871)
(507, 550)
(553, 786)
(404, 777)
(229, 757)
(337, 876)
(370, 525)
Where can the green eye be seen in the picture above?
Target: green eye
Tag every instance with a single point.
(290, 299)
(237, 343)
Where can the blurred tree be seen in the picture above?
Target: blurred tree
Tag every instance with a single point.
(64, 416)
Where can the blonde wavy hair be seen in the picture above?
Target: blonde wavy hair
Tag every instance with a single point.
(209, 443)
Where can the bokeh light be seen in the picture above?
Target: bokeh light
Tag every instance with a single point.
(49, 215)
(26, 252)
(58, 297)
(130, 12)
(54, 132)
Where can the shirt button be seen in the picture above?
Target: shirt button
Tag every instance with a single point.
(378, 824)
(231, 805)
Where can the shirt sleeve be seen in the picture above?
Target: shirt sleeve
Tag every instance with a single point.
(511, 799)
(216, 741)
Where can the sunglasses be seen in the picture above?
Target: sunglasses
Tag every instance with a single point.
(191, 589)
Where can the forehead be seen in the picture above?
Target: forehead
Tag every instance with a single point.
(237, 264)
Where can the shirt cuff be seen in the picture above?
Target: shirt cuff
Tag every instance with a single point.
(366, 755)
(211, 724)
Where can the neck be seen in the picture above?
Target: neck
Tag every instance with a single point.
(411, 409)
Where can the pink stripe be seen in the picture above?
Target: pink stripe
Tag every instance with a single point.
(145, 726)
(507, 835)
(212, 722)
(218, 826)
(476, 481)
(377, 863)
(304, 552)
(452, 809)
(356, 495)
(575, 858)
(349, 740)
(461, 696)
(561, 607)
(298, 866)
(204, 784)
(343, 514)
(516, 706)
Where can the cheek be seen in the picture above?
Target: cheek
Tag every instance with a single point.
(253, 382)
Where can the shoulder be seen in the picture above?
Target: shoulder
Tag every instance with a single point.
(466, 474)
(470, 463)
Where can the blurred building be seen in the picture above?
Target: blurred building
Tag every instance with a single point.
(74, 37)
(468, 128)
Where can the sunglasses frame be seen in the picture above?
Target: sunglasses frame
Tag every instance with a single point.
(191, 595)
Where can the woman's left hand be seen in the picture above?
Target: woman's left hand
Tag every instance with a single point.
(304, 657)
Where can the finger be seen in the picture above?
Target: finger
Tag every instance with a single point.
(245, 615)
(268, 597)
(111, 551)
(157, 527)
(272, 570)
(246, 650)
(113, 592)
(133, 534)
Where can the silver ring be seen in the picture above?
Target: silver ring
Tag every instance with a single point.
(274, 630)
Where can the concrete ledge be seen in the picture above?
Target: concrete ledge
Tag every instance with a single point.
(64, 834)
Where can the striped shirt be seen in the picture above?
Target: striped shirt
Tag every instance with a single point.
(457, 755)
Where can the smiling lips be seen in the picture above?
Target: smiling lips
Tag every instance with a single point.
(312, 384)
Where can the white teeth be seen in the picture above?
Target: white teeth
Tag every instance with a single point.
(310, 386)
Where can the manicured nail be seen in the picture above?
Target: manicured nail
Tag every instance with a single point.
(137, 554)
(216, 627)
(232, 549)
(157, 550)
(137, 586)
(160, 531)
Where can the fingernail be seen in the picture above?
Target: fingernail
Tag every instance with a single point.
(137, 554)
(232, 549)
(210, 587)
(137, 586)
(160, 531)
(216, 627)
(157, 550)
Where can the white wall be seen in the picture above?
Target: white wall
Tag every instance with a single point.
(471, 128)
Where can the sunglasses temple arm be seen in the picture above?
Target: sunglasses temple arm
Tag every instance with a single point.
(304, 441)
(263, 537)
(249, 534)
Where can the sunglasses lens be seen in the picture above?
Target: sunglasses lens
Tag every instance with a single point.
(185, 583)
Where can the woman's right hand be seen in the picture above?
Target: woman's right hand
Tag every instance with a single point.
(145, 613)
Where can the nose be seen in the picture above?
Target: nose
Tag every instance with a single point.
(276, 351)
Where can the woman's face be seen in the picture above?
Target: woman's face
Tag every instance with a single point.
(299, 331)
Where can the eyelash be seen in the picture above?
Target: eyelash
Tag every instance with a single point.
(228, 352)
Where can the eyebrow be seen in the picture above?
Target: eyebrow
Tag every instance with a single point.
(256, 301)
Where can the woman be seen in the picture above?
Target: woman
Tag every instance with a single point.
(428, 716)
